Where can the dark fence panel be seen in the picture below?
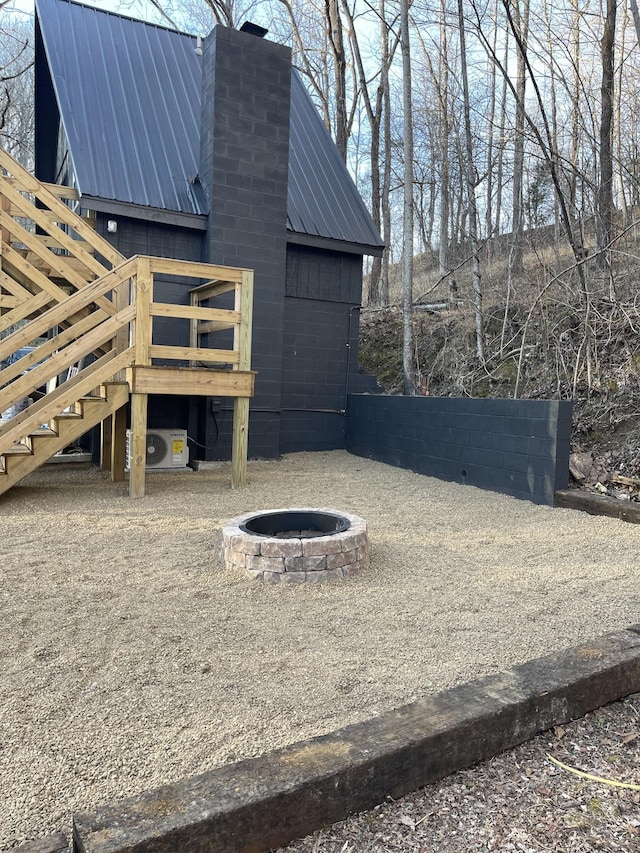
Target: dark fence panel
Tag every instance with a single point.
(517, 447)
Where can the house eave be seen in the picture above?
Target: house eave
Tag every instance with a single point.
(333, 245)
(195, 222)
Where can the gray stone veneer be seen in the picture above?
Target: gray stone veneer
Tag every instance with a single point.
(274, 560)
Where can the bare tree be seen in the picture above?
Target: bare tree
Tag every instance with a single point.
(471, 184)
(16, 83)
(604, 219)
(407, 217)
(317, 37)
(520, 24)
(376, 104)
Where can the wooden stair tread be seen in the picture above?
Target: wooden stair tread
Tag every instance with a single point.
(47, 442)
(67, 415)
(18, 450)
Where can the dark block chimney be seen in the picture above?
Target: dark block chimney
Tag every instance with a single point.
(244, 160)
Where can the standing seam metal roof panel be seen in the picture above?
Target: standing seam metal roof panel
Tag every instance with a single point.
(128, 93)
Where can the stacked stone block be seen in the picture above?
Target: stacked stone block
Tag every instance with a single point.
(296, 560)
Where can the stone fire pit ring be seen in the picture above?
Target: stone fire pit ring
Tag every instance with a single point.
(296, 545)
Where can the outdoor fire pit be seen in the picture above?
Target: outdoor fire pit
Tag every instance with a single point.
(296, 545)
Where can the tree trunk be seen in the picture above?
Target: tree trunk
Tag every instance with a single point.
(340, 66)
(491, 227)
(521, 21)
(620, 181)
(575, 110)
(445, 132)
(604, 219)
(471, 182)
(407, 219)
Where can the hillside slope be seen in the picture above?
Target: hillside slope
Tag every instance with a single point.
(537, 348)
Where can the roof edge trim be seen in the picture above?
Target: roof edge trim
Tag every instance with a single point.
(333, 245)
(194, 221)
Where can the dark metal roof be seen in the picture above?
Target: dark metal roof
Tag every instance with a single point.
(129, 100)
(323, 200)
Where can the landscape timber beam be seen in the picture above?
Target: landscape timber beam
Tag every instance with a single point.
(263, 803)
(597, 504)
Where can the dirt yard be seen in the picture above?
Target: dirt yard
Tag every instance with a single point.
(130, 657)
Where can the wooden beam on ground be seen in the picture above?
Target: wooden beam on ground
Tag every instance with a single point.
(138, 460)
(56, 843)
(263, 803)
(598, 504)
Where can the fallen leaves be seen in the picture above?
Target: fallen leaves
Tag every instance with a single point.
(517, 801)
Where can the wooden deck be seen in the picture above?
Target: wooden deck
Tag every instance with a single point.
(95, 321)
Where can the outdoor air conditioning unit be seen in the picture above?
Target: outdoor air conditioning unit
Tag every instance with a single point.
(166, 448)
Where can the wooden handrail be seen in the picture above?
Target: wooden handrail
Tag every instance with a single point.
(64, 396)
(203, 354)
(102, 328)
(195, 269)
(65, 358)
(62, 311)
(193, 312)
(39, 353)
(29, 184)
(58, 190)
(42, 220)
(31, 305)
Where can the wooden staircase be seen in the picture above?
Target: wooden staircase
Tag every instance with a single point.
(39, 445)
(90, 311)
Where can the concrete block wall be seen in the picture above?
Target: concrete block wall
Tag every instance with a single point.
(517, 447)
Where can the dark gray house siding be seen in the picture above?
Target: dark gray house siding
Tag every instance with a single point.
(320, 353)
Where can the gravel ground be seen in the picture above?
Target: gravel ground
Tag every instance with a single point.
(131, 657)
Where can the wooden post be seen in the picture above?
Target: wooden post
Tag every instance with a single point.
(106, 439)
(194, 341)
(113, 432)
(138, 460)
(143, 295)
(240, 441)
(119, 444)
(242, 343)
(122, 297)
